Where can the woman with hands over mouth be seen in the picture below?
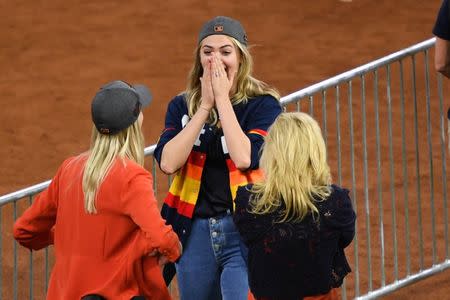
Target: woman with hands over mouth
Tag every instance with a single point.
(211, 141)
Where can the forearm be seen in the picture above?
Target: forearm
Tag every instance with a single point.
(169, 245)
(238, 143)
(442, 57)
(141, 205)
(164, 244)
(176, 151)
(35, 228)
(32, 239)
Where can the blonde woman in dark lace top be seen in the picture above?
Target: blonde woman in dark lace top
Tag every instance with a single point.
(296, 223)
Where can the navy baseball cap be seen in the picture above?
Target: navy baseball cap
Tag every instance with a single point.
(226, 26)
(117, 105)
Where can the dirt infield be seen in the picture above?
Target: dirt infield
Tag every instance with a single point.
(55, 54)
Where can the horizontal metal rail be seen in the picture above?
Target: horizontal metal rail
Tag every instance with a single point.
(438, 268)
(364, 69)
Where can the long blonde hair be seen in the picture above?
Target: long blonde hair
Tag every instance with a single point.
(295, 166)
(128, 143)
(247, 86)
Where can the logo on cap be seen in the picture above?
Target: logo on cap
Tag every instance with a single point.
(218, 28)
(104, 130)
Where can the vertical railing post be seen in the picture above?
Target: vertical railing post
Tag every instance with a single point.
(379, 182)
(324, 116)
(405, 172)
(15, 274)
(430, 157)
(338, 134)
(30, 201)
(444, 160)
(416, 143)
(352, 163)
(1, 252)
(392, 176)
(366, 182)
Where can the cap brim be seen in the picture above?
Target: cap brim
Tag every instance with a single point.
(145, 96)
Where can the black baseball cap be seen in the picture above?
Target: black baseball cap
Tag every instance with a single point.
(117, 105)
(224, 25)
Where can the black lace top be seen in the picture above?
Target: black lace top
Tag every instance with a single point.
(293, 260)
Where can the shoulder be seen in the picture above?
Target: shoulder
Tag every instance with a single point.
(132, 167)
(81, 158)
(180, 98)
(338, 198)
(268, 103)
(178, 101)
(73, 162)
(264, 100)
(338, 209)
(128, 170)
(176, 108)
(338, 191)
(264, 105)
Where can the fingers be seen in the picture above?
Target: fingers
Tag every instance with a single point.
(162, 260)
(207, 70)
(207, 94)
(221, 85)
(218, 68)
(206, 73)
(180, 245)
(206, 77)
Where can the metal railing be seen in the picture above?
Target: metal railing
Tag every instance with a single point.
(385, 133)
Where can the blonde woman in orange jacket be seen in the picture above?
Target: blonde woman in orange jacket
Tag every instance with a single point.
(100, 211)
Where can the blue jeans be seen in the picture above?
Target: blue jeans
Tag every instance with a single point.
(213, 264)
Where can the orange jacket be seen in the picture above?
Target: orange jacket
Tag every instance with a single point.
(103, 253)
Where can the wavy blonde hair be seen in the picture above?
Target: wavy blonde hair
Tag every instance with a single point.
(294, 161)
(128, 143)
(247, 86)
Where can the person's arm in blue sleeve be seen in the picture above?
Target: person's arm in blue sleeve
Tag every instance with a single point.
(262, 118)
(172, 126)
(441, 30)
